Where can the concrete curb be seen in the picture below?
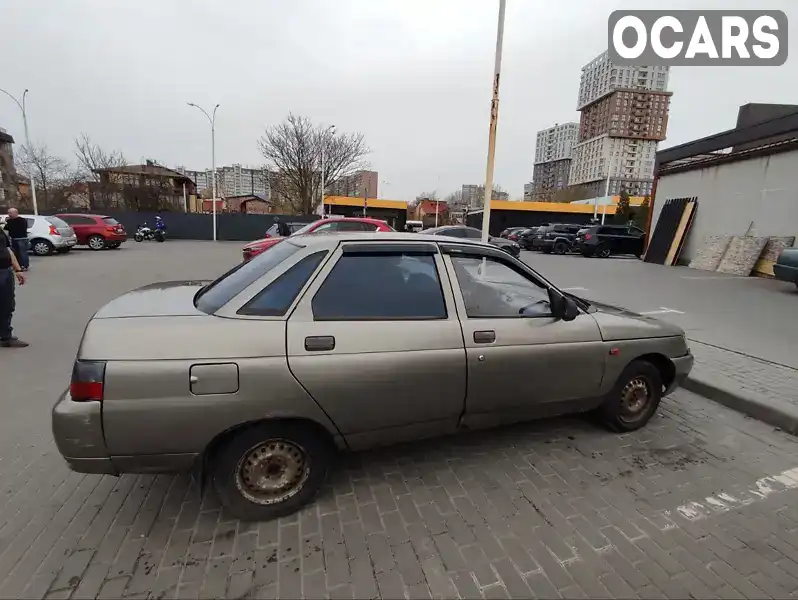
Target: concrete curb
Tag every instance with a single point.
(783, 419)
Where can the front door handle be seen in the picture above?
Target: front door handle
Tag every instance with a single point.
(319, 343)
(484, 337)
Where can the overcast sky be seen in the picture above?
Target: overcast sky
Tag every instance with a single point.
(414, 76)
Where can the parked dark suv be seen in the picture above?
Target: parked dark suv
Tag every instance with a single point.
(557, 238)
(605, 240)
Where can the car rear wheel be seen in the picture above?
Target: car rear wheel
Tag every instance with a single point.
(42, 247)
(270, 470)
(634, 398)
(96, 242)
(561, 248)
(603, 252)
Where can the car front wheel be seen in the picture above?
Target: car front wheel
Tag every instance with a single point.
(561, 248)
(603, 252)
(634, 399)
(270, 470)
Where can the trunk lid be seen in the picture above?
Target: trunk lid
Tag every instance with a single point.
(165, 299)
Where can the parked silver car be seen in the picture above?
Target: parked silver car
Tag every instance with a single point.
(346, 341)
(47, 235)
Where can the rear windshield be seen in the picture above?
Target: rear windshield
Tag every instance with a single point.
(215, 295)
(110, 221)
(56, 221)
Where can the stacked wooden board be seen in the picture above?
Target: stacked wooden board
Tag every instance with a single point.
(674, 223)
(741, 254)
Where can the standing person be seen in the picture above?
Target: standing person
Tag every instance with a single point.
(9, 270)
(283, 230)
(17, 228)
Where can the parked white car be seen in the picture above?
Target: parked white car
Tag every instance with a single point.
(47, 234)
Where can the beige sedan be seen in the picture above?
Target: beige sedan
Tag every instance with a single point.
(345, 342)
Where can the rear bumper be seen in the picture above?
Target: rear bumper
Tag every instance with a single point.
(116, 237)
(78, 434)
(682, 365)
(60, 241)
(785, 273)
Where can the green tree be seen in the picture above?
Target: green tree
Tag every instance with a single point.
(641, 214)
(623, 212)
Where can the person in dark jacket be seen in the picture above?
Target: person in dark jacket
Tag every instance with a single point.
(9, 271)
(17, 229)
(283, 230)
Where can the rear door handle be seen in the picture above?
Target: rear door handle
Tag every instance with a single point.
(484, 337)
(319, 343)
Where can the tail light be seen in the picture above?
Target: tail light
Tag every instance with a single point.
(53, 230)
(588, 236)
(111, 228)
(88, 380)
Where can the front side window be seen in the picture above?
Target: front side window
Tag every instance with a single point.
(277, 297)
(497, 290)
(381, 287)
(215, 295)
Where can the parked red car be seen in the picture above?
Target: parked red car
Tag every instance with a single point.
(348, 224)
(95, 231)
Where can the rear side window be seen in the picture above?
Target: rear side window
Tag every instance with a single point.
(215, 295)
(30, 221)
(381, 287)
(56, 221)
(277, 297)
(351, 226)
(110, 221)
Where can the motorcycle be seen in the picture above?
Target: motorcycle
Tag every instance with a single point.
(145, 232)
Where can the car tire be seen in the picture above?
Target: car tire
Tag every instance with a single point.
(42, 247)
(561, 248)
(96, 242)
(603, 252)
(292, 447)
(633, 399)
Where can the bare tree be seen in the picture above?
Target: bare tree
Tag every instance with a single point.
(570, 194)
(427, 196)
(53, 176)
(293, 151)
(91, 157)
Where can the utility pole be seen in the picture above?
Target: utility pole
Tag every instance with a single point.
(494, 118)
(24, 110)
(212, 120)
(365, 199)
(323, 146)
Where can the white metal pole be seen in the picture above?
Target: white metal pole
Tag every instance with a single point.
(185, 200)
(494, 117)
(22, 106)
(322, 176)
(213, 166)
(604, 214)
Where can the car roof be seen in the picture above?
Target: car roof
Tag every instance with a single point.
(355, 219)
(332, 238)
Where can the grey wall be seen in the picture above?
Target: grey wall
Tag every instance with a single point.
(763, 190)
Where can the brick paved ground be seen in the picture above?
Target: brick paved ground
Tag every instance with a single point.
(556, 508)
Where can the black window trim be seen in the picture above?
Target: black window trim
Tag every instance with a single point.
(383, 248)
(250, 312)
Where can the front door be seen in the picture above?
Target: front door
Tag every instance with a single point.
(377, 343)
(522, 361)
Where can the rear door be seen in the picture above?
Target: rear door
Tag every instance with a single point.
(377, 343)
(522, 361)
(636, 241)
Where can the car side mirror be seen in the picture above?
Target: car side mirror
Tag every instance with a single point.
(562, 306)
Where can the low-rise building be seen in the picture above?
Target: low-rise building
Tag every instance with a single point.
(8, 173)
(142, 187)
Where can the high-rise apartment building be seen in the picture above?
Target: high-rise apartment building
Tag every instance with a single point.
(233, 180)
(624, 117)
(355, 185)
(552, 167)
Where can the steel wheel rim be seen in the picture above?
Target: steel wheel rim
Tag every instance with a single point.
(635, 399)
(96, 243)
(604, 253)
(41, 248)
(272, 472)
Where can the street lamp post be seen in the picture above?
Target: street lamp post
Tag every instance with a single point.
(494, 117)
(23, 108)
(323, 142)
(212, 120)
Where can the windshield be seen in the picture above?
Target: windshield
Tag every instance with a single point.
(306, 228)
(215, 295)
(58, 223)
